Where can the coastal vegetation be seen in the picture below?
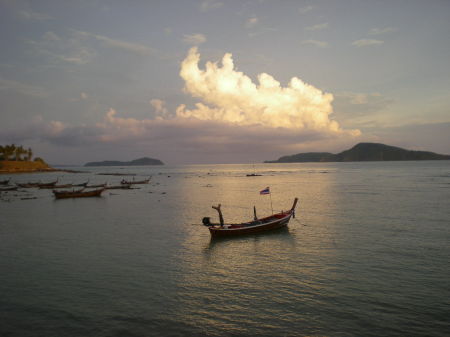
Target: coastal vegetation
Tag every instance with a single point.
(15, 158)
(17, 153)
(362, 152)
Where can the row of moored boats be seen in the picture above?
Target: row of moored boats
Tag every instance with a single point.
(61, 191)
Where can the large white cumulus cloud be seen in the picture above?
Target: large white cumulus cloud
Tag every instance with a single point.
(231, 96)
(235, 120)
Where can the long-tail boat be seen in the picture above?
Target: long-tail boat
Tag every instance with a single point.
(28, 185)
(133, 182)
(48, 187)
(6, 189)
(53, 183)
(268, 223)
(119, 187)
(5, 182)
(82, 184)
(78, 193)
(96, 186)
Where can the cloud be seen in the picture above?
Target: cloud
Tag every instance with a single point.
(236, 99)
(320, 26)
(235, 120)
(356, 109)
(366, 43)
(66, 50)
(182, 140)
(251, 22)
(159, 106)
(194, 39)
(23, 88)
(135, 48)
(304, 10)
(316, 43)
(80, 47)
(34, 16)
(380, 31)
(208, 5)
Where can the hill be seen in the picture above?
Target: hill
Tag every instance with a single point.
(15, 166)
(363, 152)
(145, 161)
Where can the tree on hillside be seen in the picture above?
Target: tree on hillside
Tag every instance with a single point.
(29, 154)
(18, 151)
(13, 152)
(9, 151)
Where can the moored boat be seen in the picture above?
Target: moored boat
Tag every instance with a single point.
(132, 182)
(268, 223)
(41, 185)
(119, 187)
(78, 193)
(6, 189)
(28, 185)
(96, 186)
(81, 185)
(5, 182)
(48, 187)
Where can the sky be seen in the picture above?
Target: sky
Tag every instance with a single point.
(222, 81)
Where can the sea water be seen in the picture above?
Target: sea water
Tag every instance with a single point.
(367, 254)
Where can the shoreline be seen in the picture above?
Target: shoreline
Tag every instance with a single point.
(13, 167)
(40, 171)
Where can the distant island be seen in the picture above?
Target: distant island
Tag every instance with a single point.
(145, 161)
(362, 152)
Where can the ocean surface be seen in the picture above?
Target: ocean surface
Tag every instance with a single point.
(367, 255)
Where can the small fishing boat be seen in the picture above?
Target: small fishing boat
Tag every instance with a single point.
(53, 183)
(5, 182)
(119, 187)
(6, 189)
(254, 174)
(96, 186)
(78, 193)
(81, 185)
(48, 187)
(133, 182)
(28, 185)
(271, 222)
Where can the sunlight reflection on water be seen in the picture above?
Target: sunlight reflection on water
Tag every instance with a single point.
(367, 253)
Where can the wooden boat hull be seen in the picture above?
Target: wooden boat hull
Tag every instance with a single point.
(235, 230)
(55, 186)
(6, 189)
(53, 183)
(28, 185)
(77, 194)
(119, 187)
(134, 182)
(5, 182)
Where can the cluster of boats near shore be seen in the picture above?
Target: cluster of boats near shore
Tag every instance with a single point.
(221, 229)
(62, 191)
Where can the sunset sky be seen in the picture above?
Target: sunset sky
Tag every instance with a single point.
(222, 81)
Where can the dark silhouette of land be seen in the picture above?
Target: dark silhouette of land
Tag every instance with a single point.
(137, 162)
(363, 152)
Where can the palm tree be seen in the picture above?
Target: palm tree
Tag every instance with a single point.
(9, 151)
(30, 154)
(18, 152)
